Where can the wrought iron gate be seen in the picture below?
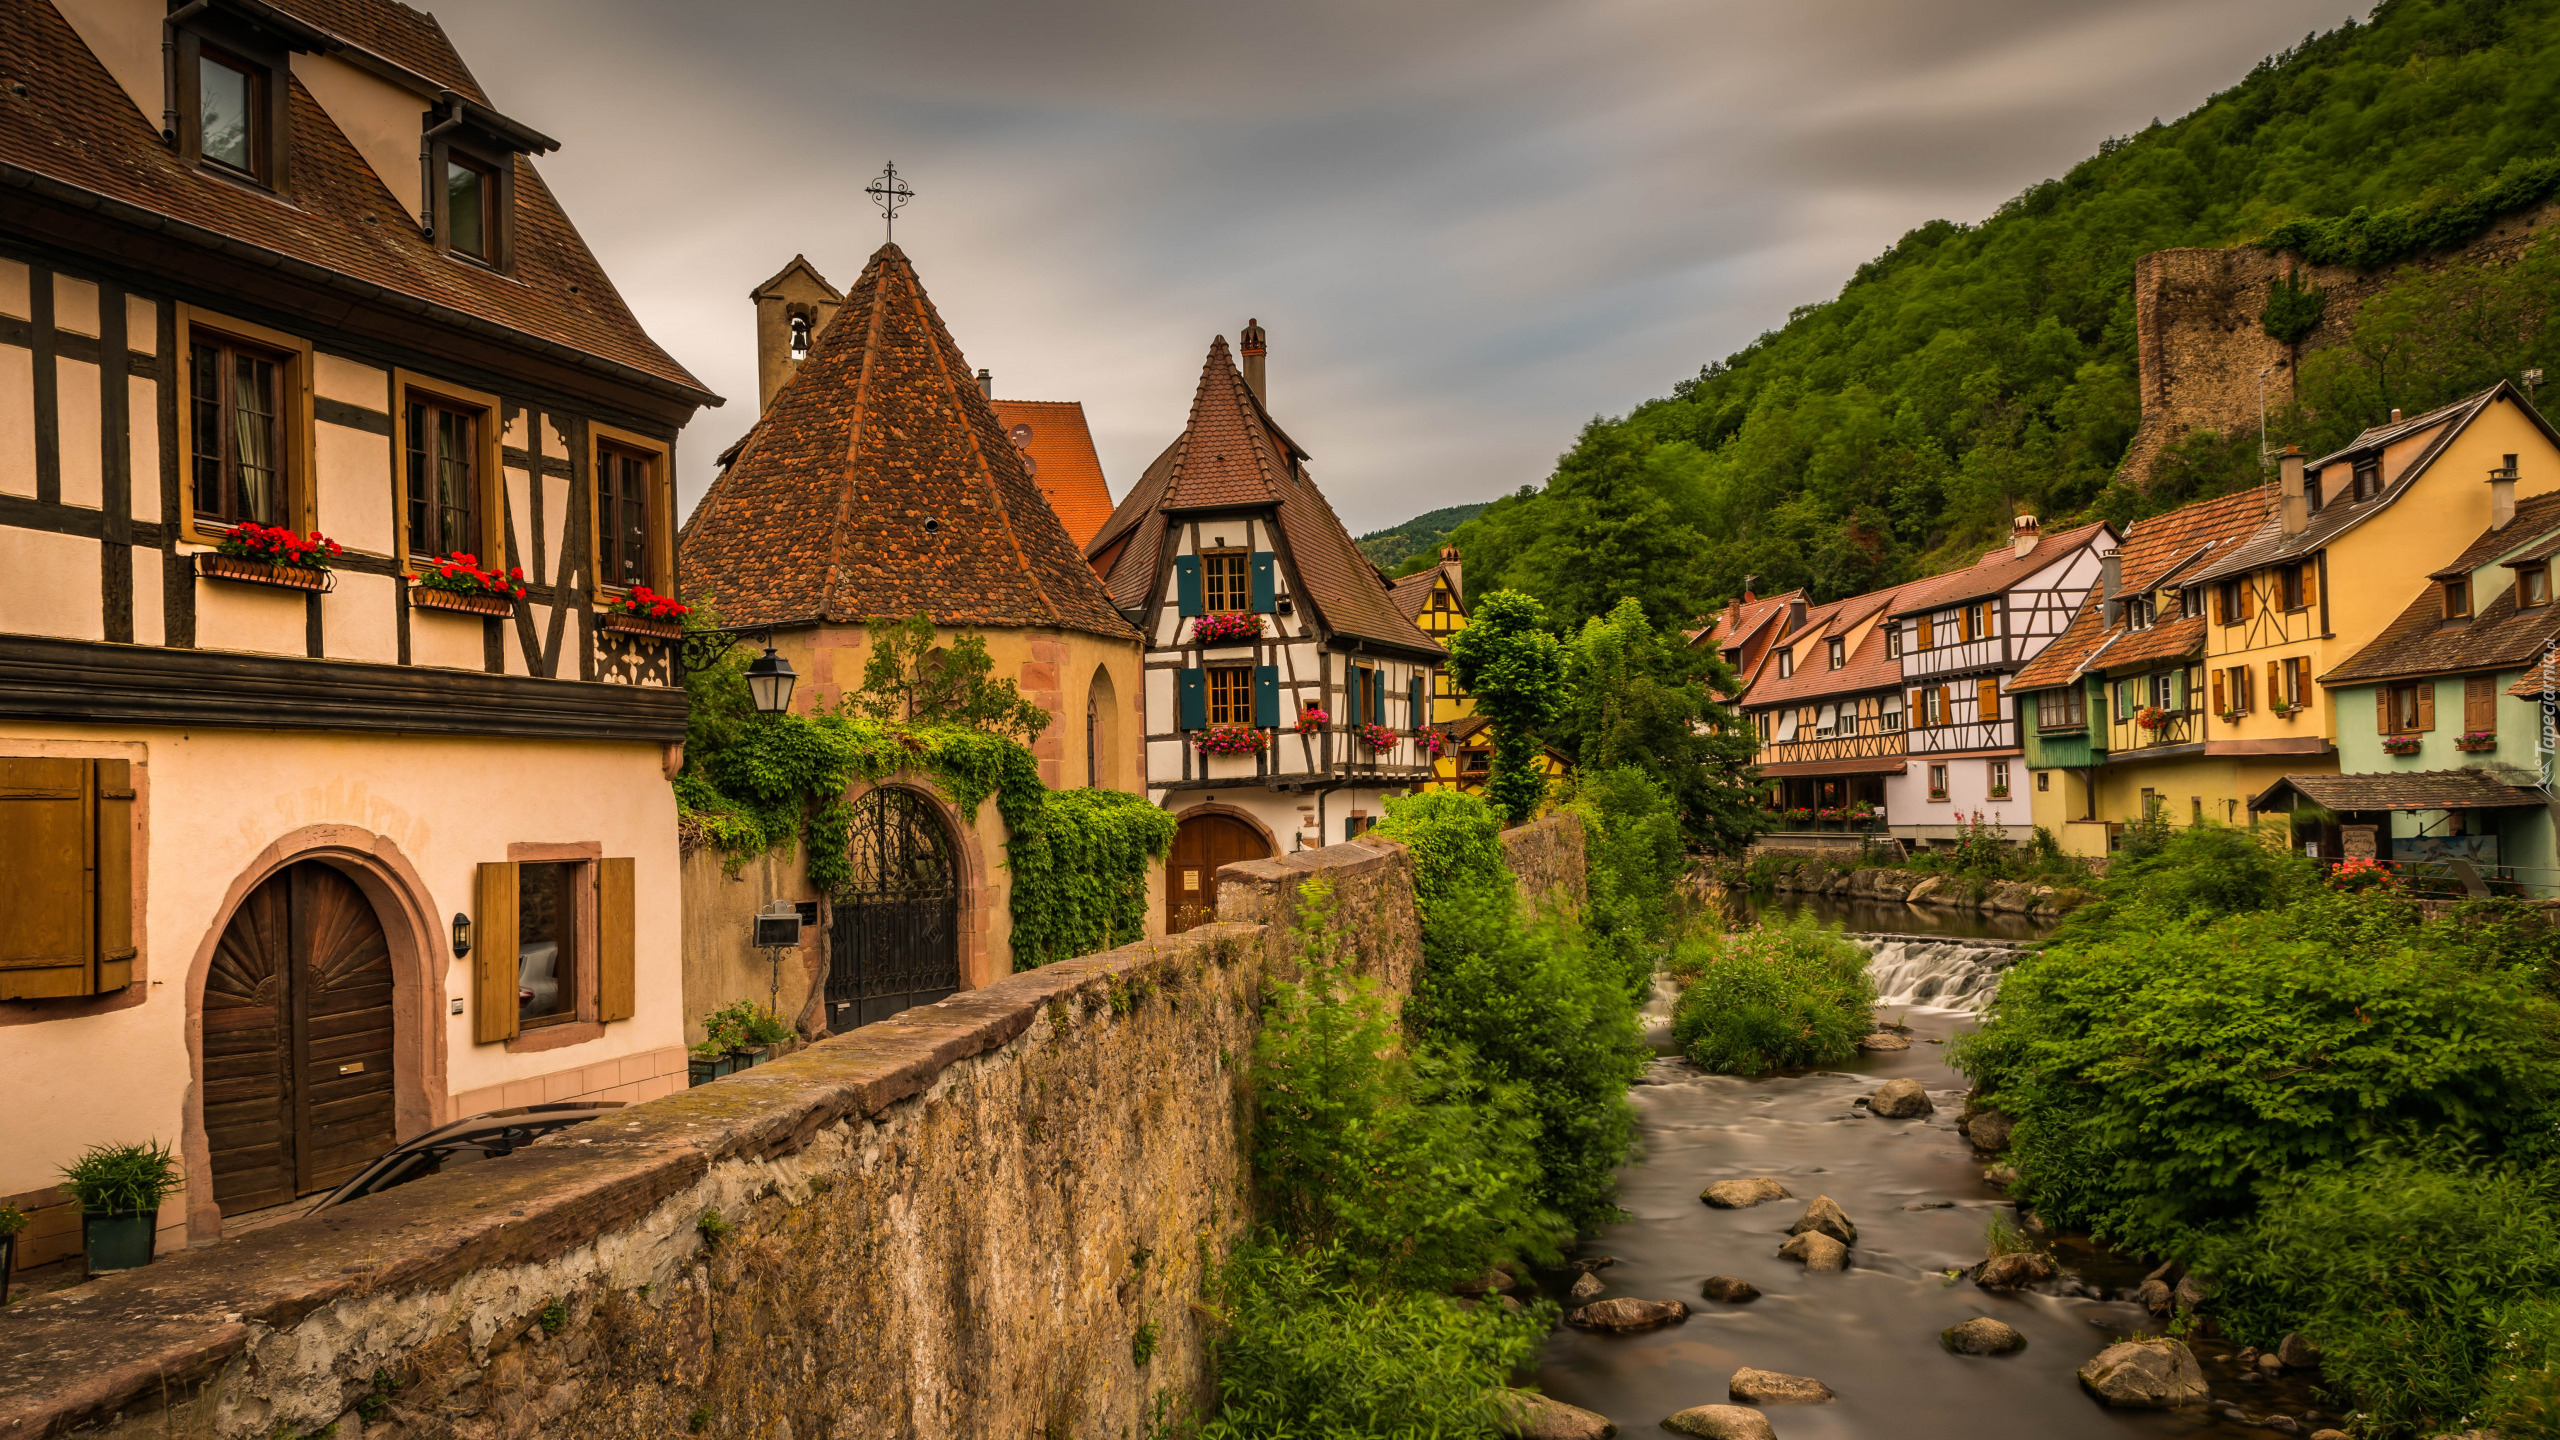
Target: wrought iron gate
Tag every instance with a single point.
(895, 937)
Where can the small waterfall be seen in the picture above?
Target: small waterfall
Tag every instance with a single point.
(1940, 974)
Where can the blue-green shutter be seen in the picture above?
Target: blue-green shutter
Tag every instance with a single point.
(1413, 699)
(1186, 582)
(2177, 689)
(1377, 697)
(1266, 590)
(1192, 688)
(1266, 696)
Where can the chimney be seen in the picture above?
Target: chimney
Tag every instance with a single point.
(2110, 581)
(1457, 574)
(987, 382)
(2022, 535)
(1253, 347)
(2502, 495)
(2292, 504)
(2395, 414)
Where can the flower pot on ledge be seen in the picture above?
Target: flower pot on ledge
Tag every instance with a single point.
(259, 572)
(645, 629)
(426, 599)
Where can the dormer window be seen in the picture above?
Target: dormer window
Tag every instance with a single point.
(2457, 599)
(226, 108)
(1893, 642)
(2368, 480)
(2533, 585)
(470, 173)
(470, 192)
(1839, 653)
(1786, 663)
(229, 113)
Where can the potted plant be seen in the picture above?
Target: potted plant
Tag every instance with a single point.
(13, 1222)
(1312, 718)
(120, 1188)
(763, 1032)
(2477, 740)
(1375, 738)
(2400, 745)
(707, 1062)
(456, 582)
(1227, 627)
(2231, 717)
(644, 612)
(1433, 742)
(1227, 740)
(271, 555)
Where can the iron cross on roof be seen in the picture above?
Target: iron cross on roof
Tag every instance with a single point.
(891, 194)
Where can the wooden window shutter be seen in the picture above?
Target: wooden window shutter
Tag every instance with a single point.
(1266, 696)
(1377, 697)
(113, 889)
(2221, 605)
(1266, 585)
(1926, 633)
(493, 955)
(48, 947)
(1186, 583)
(2219, 705)
(1191, 689)
(2177, 689)
(1986, 701)
(2275, 681)
(2303, 689)
(1415, 715)
(2479, 702)
(2382, 709)
(2426, 705)
(617, 941)
(1919, 714)
(1946, 706)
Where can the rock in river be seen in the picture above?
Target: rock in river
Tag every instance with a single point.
(1982, 1335)
(1817, 1251)
(1900, 1100)
(1988, 1130)
(1883, 1040)
(1585, 1287)
(1742, 1194)
(1768, 1387)
(2154, 1296)
(1624, 1314)
(1825, 1215)
(2014, 1270)
(1729, 1289)
(1528, 1416)
(1721, 1422)
(2145, 1375)
(2298, 1353)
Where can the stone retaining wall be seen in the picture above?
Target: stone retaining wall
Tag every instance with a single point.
(955, 1223)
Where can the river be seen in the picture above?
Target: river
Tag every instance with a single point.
(1915, 1191)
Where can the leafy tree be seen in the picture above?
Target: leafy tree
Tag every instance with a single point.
(2293, 309)
(1642, 698)
(1613, 534)
(908, 677)
(1513, 670)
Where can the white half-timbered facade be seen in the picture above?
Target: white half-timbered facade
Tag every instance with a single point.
(1962, 637)
(1286, 695)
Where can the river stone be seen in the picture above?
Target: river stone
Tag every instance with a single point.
(1730, 1289)
(1624, 1314)
(1926, 890)
(1817, 1251)
(1721, 1422)
(2155, 1296)
(1742, 1194)
(2145, 1375)
(2330, 1435)
(1825, 1215)
(1982, 1335)
(1590, 1263)
(2001, 1175)
(2013, 1270)
(1900, 1100)
(1988, 1130)
(1529, 1416)
(1768, 1387)
(2297, 1353)
(2191, 1292)
(1585, 1287)
(1883, 1040)
(2281, 1424)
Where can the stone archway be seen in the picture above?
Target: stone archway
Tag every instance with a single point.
(1204, 838)
(362, 868)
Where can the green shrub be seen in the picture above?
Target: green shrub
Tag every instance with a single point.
(123, 1179)
(1308, 1356)
(1775, 997)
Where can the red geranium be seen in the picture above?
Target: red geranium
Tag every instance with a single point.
(642, 603)
(460, 574)
(276, 545)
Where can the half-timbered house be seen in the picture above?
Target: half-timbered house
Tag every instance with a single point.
(1829, 711)
(1285, 692)
(1963, 635)
(1746, 631)
(296, 863)
(880, 483)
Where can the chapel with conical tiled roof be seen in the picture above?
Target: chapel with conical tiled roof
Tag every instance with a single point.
(1287, 693)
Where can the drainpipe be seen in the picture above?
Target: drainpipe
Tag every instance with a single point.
(169, 65)
(427, 165)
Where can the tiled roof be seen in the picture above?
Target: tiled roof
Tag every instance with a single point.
(1231, 455)
(1995, 572)
(67, 125)
(2420, 641)
(2535, 515)
(2402, 790)
(1058, 449)
(880, 482)
(2269, 544)
(1412, 592)
(2155, 551)
(1869, 667)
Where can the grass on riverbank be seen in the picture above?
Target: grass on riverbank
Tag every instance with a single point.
(1776, 997)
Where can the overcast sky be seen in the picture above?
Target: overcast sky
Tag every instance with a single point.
(1468, 225)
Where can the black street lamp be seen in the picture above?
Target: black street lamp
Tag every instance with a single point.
(769, 680)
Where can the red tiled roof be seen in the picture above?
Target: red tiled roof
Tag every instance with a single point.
(1871, 667)
(2154, 551)
(879, 482)
(1996, 571)
(69, 126)
(1058, 450)
(1231, 455)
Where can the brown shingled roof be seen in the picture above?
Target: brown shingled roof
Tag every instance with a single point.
(1996, 571)
(880, 482)
(2155, 552)
(1057, 448)
(2420, 641)
(71, 132)
(1870, 667)
(2401, 790)
(1231, 455)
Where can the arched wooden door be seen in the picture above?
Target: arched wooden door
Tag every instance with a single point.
(894, 940)
(297, 1040)
(1202, 843)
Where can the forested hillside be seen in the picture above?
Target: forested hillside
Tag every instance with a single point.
(1417, 541)
(1975, 370)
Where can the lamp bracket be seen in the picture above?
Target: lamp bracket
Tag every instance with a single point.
(702, 649)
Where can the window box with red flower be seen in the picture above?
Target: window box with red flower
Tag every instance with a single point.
(2476, 741)
(1312, 720)
(2150, 716)
(1375, 738)
(2400, 744)
(644, 612)
(272, 555)
(456, 582)
(1227, 740)
(1226, 627)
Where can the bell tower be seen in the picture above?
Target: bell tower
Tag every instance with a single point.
(791, 309)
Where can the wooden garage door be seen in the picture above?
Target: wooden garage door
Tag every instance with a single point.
(297, 1041)
(1200, 846)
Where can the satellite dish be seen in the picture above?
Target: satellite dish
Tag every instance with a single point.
(1021, 434)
